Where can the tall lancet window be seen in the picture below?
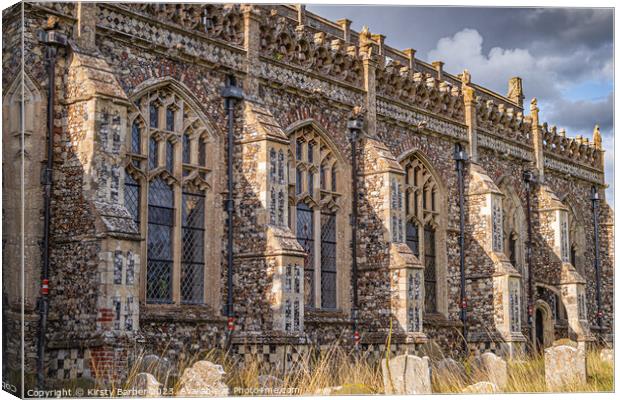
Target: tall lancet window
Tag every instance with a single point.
(314, 213)
(177, 202)
(514, 228)
(192, 255)
(160, 252)
(424, 232)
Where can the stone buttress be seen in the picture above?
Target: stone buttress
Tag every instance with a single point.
(384, 257)
(274, 312)
(96, 108)
(484, 209)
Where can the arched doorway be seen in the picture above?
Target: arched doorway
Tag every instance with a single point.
(543, 325)
(540, 338)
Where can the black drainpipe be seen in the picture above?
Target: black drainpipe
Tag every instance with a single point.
(53, 40)
(231, 94)
(528, 178)
(354, 124)
(460, 156)
(597, 260)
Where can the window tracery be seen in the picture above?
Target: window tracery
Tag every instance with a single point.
(314, 204)
(421, 204)
(176, 178)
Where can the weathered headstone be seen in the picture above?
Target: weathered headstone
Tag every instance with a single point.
(203, 379)
(482, 387)
(145, 384)
(564, 365)
(607, 355)
(448, 368)
(491, 368)
(406, 374)
(159, 367)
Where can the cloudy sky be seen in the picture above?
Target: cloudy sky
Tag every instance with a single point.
(564, 55)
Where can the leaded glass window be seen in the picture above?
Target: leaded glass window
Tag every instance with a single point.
(160, 260)
(315, 220)
(186, 149)
(170, 119)
(192, 255)
(328, 260)
(310, 152)
(299, 181)
(132, 198)
(153, 147)
(305, 236)
(413, 240)
(422, 200)
(153, 115)
(169, 156)
(299, 149)
(175, 271)
(310, 182)
(136, 140)
(430, 270)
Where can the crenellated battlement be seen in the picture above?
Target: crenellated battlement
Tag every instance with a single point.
(578, 149)
(331, 55)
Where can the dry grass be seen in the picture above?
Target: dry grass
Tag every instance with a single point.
(357, 373)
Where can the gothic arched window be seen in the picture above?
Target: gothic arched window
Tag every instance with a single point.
(424, 232)
(576, 238)
(514, 232)
(176, 179)
(314, 215)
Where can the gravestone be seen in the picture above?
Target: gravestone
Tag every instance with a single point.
(146, 385)
(203, 379)
(448, 368)
(159, 367)
(564, 365)
(406, 374)
(607, 355)
(491, 368)
(481, 387)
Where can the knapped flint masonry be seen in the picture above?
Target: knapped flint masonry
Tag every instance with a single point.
(139, 256)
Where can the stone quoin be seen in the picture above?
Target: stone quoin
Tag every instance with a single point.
(138, 228)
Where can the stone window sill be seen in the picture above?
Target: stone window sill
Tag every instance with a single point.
(179, 313)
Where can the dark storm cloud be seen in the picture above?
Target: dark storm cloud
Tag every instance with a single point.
(564, 55)
(550, 29)
(580, 116)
